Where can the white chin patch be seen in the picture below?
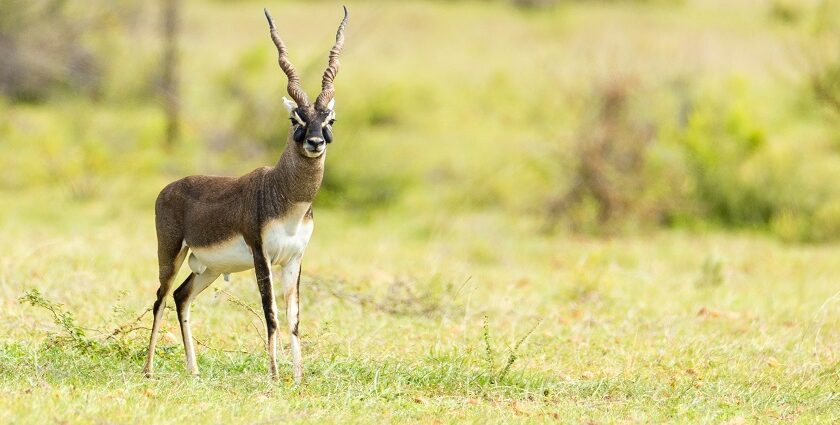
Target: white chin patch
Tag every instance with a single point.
(314, 154)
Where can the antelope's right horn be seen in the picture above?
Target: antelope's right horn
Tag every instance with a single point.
(294, 88)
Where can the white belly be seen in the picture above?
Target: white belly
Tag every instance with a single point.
(231, 256)
(283, 239)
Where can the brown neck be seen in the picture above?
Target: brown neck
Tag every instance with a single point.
(295, 177)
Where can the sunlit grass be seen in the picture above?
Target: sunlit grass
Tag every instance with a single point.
(625, 331)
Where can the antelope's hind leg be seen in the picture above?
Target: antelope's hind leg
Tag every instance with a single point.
(170, 260)
(184, 296)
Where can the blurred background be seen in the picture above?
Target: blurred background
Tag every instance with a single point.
(578, 117)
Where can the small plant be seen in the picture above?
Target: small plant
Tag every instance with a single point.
(491, 355)
(61, 317)
(117, 340)
(114, 336)
(496, 376)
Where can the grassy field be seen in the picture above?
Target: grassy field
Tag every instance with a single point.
(430, 293)
(667, 328)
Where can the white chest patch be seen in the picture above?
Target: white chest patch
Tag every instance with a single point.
(287, 237)
(283, 239)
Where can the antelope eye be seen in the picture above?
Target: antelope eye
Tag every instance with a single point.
(331, 122)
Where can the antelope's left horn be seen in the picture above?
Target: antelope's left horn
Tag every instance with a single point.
(327, 88)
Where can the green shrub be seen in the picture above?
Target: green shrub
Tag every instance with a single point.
(719, 139)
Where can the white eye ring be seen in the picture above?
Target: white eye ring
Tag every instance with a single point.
(296, 117)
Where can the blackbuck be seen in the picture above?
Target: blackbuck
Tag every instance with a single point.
(264, 218)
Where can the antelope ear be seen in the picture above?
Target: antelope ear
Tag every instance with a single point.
(289, 104)
(331, 105)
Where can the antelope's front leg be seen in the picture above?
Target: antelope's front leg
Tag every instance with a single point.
(266, 286)
(291, 286)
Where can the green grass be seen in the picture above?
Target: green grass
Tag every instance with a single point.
(393, 325)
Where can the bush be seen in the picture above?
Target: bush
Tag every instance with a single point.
(612, 151)
(711, 162)
(719, 139)
(44, 50)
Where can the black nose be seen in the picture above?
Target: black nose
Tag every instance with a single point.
(315, 142)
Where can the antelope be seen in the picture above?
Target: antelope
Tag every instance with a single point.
(261, 219)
